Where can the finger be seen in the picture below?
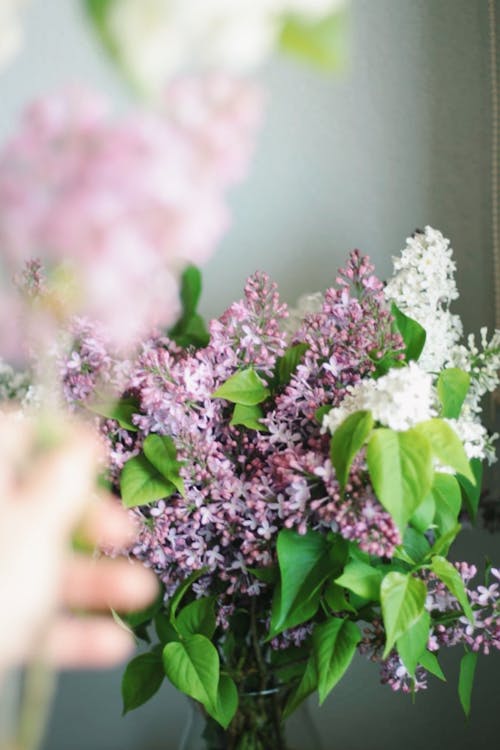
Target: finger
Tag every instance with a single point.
(62, 481)
(103, 584)
(87, 643)
(106, 524)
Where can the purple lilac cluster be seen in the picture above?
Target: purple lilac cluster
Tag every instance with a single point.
(450, 629)
(484, 633)
(242, 486)
(88, 365)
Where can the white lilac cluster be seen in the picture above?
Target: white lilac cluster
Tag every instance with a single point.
(423, 287)
(154, 39)
(399, 400)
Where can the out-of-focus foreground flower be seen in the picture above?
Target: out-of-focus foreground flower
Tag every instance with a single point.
(155, 39)
(116, 209)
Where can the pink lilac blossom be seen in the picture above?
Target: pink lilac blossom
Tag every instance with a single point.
(123, 205)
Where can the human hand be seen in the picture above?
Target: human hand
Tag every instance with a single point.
(43, 495)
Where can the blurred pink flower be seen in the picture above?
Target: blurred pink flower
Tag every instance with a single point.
(124, 205)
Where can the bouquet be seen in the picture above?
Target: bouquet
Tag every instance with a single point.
(298, 480)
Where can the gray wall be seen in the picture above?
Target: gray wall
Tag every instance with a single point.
(399, 141)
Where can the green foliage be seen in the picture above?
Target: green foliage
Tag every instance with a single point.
(244, 387)
(320, 42)
(306, 686)
(401, 472)
(192, 666)
(190, 329)
(415, 545)
(142, 679)
(304, 564)
(446, 446)
(161, 452)
(182, 590)
(468, 665)
(334, 595)
(452, 579)
(362, 579)
(429, 661)
(121, 410)
(452, 387)
(142, 484)
(443, 543)
(412, 333)
(97, 11)
(288, 363)
(334, 646)
(248, 416)
(197, 617)
(227, 701)
(448, 501)
(347, 441)
(403, 600)
(424, 514)
(413, 643)
(472, 490)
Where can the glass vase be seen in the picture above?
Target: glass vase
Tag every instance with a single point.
(257, 725)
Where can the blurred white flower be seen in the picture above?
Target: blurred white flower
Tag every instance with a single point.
(10, 29)
(154, 39)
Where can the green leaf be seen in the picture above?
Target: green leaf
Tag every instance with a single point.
(428, 661)
(472, 490)
(192, 666)
(141, 483)
(244, 387)
(97, 11)
(160, 451)
(416, 545)
(446, 445)
(347, 441)
(335, 597)
(227, 701)
(444, 542)
(142, 679)
(248, 416)
(320, 42)
(448, 501)
(306, 686)
(424, 515)
(403, 600)
(197, 617)
(304, 565)
(334, 645)
(468, 665)
(452, 579)
(190, 332)
(121, 411)
(190, 290)
(268, 575)
(182, 590)
(362, 579)
(412, 333)
(287, 364)
(164, 629)
(413, 643)
(401, 473)
(452, 387)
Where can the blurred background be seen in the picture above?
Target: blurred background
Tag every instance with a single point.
(400, 139)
